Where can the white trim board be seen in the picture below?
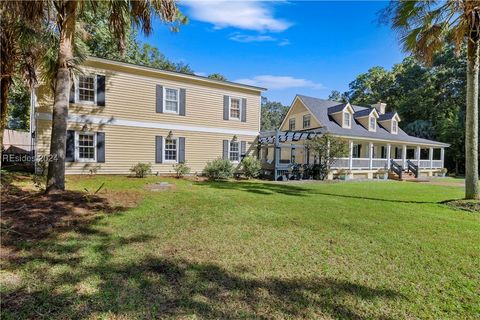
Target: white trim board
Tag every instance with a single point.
(144, 124)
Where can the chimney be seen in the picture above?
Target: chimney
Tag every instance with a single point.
(380, 106)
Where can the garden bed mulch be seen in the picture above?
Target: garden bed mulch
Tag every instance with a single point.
(29, 216)
(467, 205)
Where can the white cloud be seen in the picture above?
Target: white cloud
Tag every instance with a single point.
(250, 38)
(247, 15)
(280, 82)
(284, 42)
(201, 74)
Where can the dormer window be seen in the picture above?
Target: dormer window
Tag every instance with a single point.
(347, 119)
(394, 126)
(372, 124)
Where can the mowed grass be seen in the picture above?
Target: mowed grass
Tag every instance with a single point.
(228, 250)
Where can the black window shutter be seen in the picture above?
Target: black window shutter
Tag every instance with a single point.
(72, 92)
(225, 149)
(181, 150)
(159, 99)
(158, 149)
(70, 150)
(244, 110)
(100, 146)
(182, 101)
(100, 90)
(226, 112)
(243, 148)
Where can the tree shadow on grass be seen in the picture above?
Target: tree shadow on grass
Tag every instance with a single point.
(295, 190)
(257, 187)
(156, 287)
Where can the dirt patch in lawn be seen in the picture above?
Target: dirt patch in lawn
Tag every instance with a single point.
(29, 216)
(467, 205)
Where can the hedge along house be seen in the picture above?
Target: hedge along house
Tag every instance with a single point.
(121, 114)
(375, 140)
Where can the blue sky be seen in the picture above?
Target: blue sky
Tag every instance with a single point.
(289, 47)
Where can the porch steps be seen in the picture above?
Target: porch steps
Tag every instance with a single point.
(406, 176)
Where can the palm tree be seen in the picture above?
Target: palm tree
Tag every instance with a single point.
(21, 44)
(425, 27)
(122, 14)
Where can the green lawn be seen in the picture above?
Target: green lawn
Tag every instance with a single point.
(355, 250)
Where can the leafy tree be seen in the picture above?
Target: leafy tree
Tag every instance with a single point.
(21, 45)
(272, 114)
(336, 95)
(371, 87)
(326, 148)
(217, 76)
(18, 105)
(424, 28)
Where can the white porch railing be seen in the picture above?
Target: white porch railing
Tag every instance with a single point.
(379, 163)
(360, 163)
(341, 163)
(437, 164)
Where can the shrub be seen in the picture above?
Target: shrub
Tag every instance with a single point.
(219, 169)
(444, 170)
(251, 167)
(181, 169)
(141, 169)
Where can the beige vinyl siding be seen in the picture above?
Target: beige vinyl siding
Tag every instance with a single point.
(130, 113)
(364, 121)
(297, 112)
(126, 146)
(132, 96)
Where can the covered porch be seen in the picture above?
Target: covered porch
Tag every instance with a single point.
(284, 155)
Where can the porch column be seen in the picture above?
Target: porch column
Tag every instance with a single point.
(430, 157)
(276, 154)
(418, 156)
(389, 149)
(404, 155)
(442, 156)
(370, 155)
(350, 157)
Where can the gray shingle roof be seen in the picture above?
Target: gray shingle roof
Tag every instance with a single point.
(321, 108)
(336, 108)
(386, 116)
(362, 113)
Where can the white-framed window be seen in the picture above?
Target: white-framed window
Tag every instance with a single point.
(394, 126)
(234, 108)
(291, 124)
(86, 89)
(372, 123)
(170, 100)
(170, 150)
(347, 119)
(234, 151)
(306, 121)
(85, 146)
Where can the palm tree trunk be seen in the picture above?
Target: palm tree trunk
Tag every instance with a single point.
(56, 168)
(471, 126)
(5, 86)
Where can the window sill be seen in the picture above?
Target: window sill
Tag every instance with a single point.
(170, 112)
(86, 160)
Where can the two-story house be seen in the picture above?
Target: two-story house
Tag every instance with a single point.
(375, 140)
(121, 114)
